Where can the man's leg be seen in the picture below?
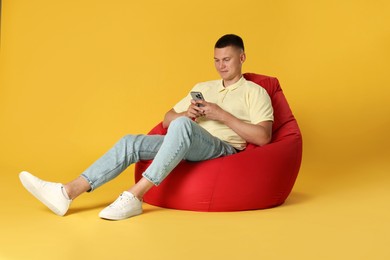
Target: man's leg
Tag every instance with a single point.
(185, 140)
(128, 150)
(77, 187)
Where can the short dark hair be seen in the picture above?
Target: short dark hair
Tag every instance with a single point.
(230, 40)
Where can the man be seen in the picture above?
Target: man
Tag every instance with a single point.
(235, 112)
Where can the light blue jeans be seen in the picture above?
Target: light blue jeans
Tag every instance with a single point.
(185, 140)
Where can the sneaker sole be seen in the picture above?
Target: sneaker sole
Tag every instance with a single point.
(27, 179)
(138, 212)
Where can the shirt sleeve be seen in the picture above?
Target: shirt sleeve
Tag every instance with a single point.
(183, 104)
(261, 107)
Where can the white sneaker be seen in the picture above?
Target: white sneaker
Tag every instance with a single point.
(49, 193)
(126, 206)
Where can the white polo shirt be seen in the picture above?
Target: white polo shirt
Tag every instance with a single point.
(244, 99)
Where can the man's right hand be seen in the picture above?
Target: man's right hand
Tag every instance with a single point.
(194, 111)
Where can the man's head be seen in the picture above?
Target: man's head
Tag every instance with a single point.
(230, 40)
(229, 56)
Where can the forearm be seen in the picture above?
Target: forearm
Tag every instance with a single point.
(170, 116)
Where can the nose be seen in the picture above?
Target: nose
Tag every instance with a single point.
(221, 65)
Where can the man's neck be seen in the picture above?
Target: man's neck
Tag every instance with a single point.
(227, 83)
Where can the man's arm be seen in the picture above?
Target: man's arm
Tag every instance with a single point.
(259, 134)
(192, 112)
(170, 116)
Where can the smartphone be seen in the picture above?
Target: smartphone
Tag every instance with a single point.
(196, 95)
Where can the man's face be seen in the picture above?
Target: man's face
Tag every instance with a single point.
(228, 62)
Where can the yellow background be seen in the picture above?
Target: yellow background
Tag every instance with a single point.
(78, 75)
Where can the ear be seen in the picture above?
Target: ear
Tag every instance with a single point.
(242, 57)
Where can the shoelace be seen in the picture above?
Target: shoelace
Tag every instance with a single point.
(121, 201)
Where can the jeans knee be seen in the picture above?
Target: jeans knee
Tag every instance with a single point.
(127, 139)
(182, 122)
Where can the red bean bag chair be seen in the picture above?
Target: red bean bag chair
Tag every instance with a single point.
(256, 178)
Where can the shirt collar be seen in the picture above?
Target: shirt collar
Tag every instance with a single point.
(231, 87)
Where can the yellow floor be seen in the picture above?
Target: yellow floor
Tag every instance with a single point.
(328, 218)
